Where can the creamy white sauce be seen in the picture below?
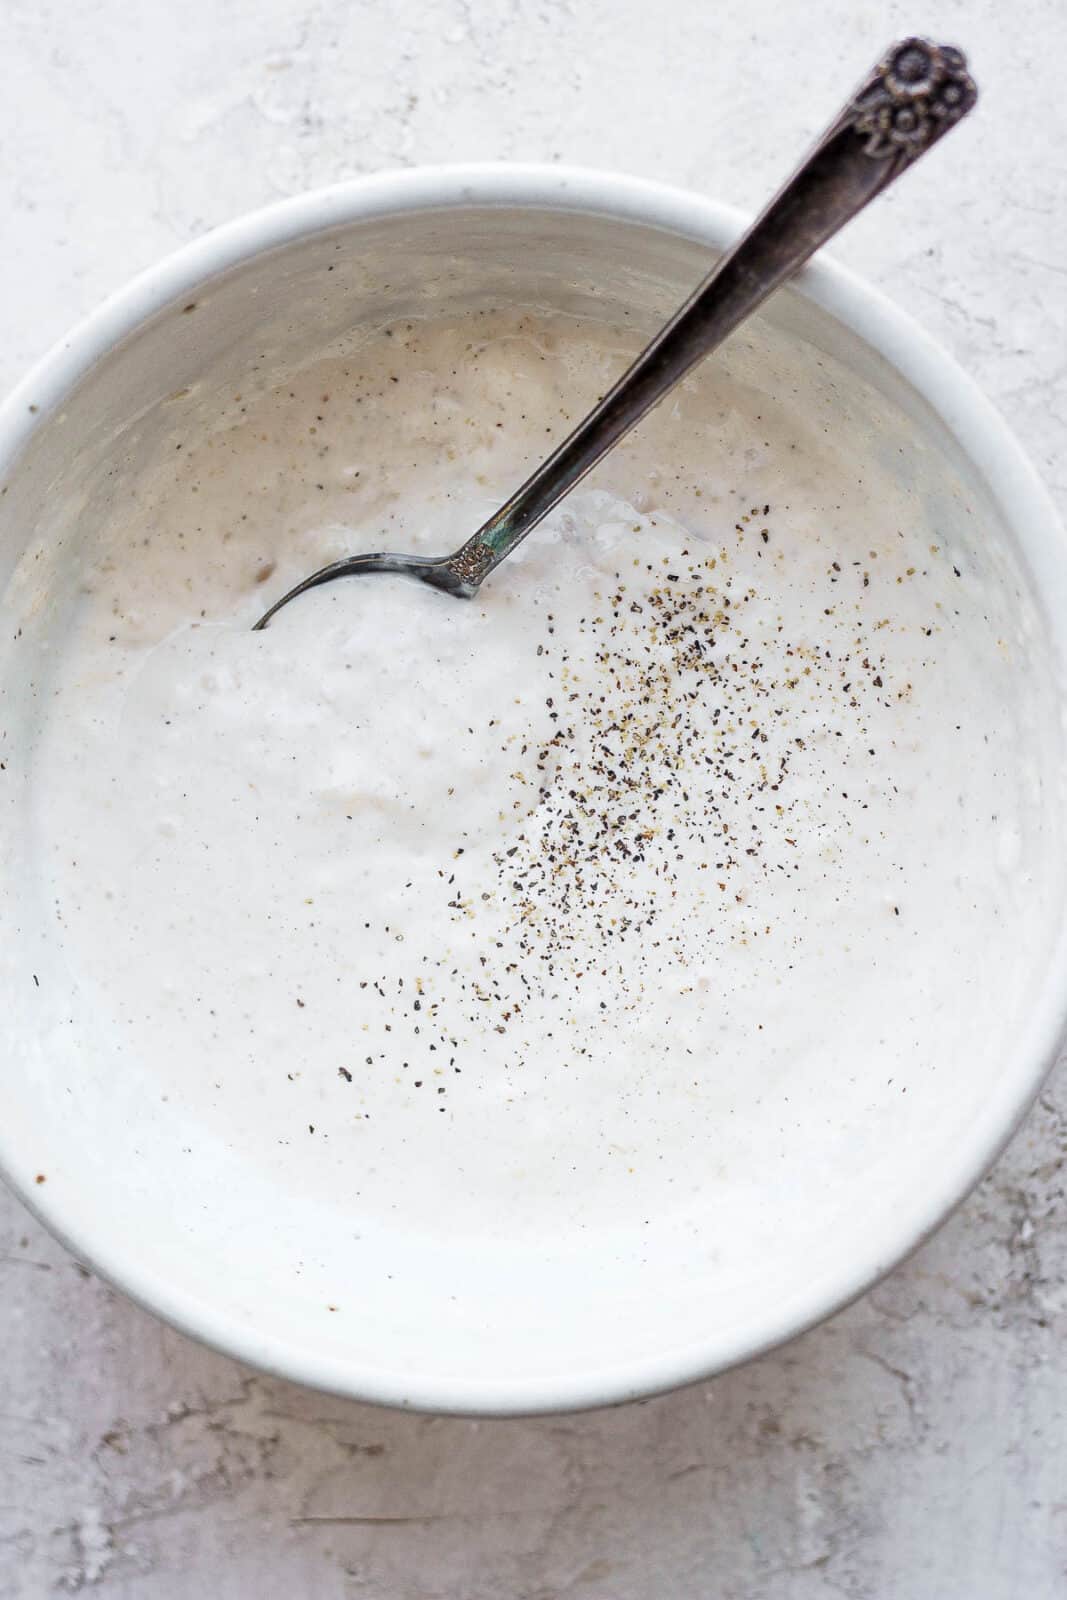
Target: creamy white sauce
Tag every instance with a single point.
(715, 813)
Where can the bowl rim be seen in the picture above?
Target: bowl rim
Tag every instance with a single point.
(1028, 511)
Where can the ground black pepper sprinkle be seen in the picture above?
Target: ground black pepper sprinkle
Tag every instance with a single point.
(673, 748)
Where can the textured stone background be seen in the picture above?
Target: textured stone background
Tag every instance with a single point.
(914, 1447)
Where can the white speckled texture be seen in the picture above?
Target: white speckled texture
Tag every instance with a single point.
(915, 1447)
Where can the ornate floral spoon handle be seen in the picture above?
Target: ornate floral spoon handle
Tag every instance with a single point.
(915, 94)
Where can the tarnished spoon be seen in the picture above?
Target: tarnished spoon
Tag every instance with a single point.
(912, 97)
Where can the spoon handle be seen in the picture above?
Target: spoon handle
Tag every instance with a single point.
(915, 94)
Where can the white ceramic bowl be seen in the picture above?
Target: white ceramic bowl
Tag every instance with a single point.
(153, 1202)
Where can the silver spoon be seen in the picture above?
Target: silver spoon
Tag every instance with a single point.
(910, 99)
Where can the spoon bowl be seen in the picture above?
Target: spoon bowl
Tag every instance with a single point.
(439, 574)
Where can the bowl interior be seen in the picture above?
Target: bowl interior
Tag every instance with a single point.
(811, 1185)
